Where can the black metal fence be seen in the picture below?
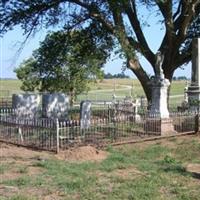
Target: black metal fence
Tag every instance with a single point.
(35, 133)
(107, 125)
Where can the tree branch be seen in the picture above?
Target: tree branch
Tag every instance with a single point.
(131, 12)
(185, 18)
(136, 68)
(94, 13)
(178, 11)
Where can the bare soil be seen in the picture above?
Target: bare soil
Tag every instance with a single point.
(85, 153)
(193, 168)
(129, 172)
(21, 161)
(21, 155)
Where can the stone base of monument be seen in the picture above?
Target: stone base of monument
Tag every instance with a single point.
(193, 97)
(167, 127)
(161, 127)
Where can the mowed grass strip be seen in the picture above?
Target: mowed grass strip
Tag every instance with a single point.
(148, 171)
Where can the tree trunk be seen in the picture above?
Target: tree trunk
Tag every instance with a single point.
(144, 79)
(72, 97)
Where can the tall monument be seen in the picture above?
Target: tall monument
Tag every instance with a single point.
(159, 120)
(159, 90)
(194, 88)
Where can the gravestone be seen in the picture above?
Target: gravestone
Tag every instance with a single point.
(159, 110)
(186, 93)
(26, 105)
(143, 102)
(85, 114)
(55, 105)
(160, 87)
(194, 88)
(137, 105)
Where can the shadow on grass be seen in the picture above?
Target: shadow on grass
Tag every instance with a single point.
(171, 165)
(195, 175)
(177, 168)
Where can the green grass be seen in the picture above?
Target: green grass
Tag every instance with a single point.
(177, 87)
(154, 172)
(20, 197)
(106, 84)
(7, 87)
(3, 168)
(103, 90)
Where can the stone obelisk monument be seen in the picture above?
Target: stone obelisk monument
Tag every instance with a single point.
(194, 88)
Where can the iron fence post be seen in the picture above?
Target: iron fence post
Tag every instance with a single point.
(57, 137)
(196, 123)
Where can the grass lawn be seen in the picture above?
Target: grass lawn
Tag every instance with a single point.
(106, 84)
(146, 171)
(7, 87)
(103, 90)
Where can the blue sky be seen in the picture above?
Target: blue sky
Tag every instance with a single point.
(10, 44)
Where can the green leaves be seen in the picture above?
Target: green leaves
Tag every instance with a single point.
(65, 62)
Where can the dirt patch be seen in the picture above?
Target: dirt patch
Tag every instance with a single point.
(85, 153)
(13, 152)
(35, 171)
(128, 173)
(53, 196)
(9, 176)
(39, 193)
(8, 191)
(193, 168)
(168, 143)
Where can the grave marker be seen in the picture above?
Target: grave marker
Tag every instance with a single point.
(85, 114)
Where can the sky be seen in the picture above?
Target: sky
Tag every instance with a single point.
(10, 58)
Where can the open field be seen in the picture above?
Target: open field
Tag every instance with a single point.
(122, 87)
(157, 170)
(9, 85)
(104, 90)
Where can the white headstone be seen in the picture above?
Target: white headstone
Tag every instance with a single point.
(85, 114)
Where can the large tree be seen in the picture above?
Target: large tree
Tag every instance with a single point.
(65, 62)
(122, 19)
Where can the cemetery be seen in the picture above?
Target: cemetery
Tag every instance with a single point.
(46, 120)
(100, 100)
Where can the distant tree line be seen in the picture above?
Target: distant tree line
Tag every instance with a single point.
(119, 75)
(180, 78)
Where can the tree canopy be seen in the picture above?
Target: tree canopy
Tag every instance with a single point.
(120, 20)
(65, 62)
